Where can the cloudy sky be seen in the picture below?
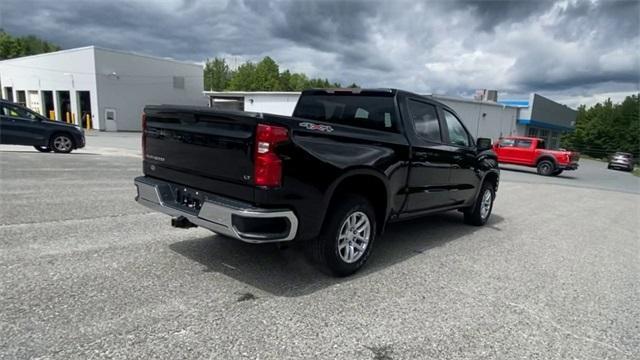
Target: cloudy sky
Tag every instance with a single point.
(573, 51)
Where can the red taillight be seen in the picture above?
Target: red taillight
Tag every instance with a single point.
(268, 166)
(144, 137)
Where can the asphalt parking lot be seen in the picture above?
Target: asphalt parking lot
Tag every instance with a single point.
(88, 273)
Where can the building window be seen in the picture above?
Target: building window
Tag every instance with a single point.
(555, 140)
(544, 133)
(178, 82)
(8, 91)
(533, 132)
(21, 96)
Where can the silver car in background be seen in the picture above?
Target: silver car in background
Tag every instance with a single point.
(621, 160)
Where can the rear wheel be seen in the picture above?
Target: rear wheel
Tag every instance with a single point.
(557, 172)
(347, 238)
(61, 143)
(479, 213)
(546, 168)
(42, 148)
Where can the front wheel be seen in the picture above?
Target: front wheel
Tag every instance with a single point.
(42, 148)
(479, 213)
(347, 238)
(557, 172)
(61, 143)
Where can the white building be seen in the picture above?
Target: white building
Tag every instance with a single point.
(538, 116)
(101, 88)
(272, 102)
(482, 118)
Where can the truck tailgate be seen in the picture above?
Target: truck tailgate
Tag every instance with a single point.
(197, 146)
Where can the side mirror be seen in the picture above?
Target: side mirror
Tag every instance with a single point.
(483, 144)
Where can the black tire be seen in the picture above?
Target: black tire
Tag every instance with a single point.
(326, 249)
(546, 167)
(42, 148)
(61, 143)
(557, 172)
(477, 214)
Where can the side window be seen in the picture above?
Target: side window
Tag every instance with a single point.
(541, 144)
(457, 134)
(9, 110)
(523, 144)
(425, 120)
(507, 143)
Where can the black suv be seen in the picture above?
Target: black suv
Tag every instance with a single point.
(22, 126)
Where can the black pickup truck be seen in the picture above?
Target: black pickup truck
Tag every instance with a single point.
(346, 163)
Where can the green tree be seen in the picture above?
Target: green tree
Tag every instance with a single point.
(267, 75)
(606, 128)
(243, 78)
(299, 82)
(263, 76)
(12, 47)
(217, 74)
(285, 81)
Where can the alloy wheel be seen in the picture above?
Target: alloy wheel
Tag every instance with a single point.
(354, 237)
(485, 205)
(62, 143)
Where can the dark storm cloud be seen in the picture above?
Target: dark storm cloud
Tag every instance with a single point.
(184, 31)
(441, 46)
(613, 20)
(80, 23)
(492, 13)
(333, 26)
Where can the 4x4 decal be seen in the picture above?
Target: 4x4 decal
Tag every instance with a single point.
(319, 127)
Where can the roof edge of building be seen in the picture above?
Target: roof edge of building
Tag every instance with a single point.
(94, 48)
(124, 52)
(543, 124)
(83, 48)
(471, 101)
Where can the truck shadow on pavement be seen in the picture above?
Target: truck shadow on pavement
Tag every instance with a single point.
(289, 273)
(532, 171)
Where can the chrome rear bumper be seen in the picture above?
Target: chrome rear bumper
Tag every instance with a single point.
(216, 213)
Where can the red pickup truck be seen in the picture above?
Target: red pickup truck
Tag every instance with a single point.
(532, 152)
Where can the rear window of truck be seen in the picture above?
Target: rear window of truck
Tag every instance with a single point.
(365, 111)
